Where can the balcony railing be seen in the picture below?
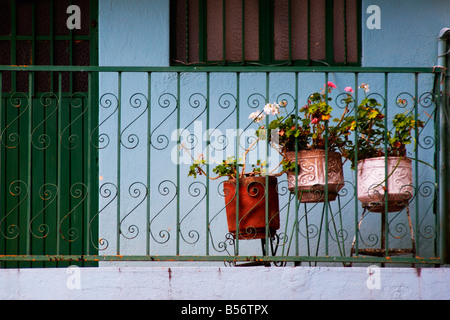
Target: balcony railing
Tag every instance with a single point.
(101, 174)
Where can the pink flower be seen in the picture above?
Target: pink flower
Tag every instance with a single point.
(331, 85)
(348, 89)
(314, 121)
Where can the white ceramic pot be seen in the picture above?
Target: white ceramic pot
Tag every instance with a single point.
(372, 183)
(311, 175)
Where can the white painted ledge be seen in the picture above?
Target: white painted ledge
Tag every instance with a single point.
(214, 283)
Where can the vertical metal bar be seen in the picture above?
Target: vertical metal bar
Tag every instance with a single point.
(341, 224)
(384, 215)
(439, 171)
(416, 162)
(202, 30)
(345, 32)
(208, 142)
(442, 174)
(89, 164)
(59, 148)
(51, 43)
(265, 32)
(356, 165)
(93, 57)
(2, 174)
(187, 30)
(13, 44)
(309, 34)
(178, 163)
(290, 30)
(149, 124)
(119, 130)
(93, 38)
(71, 55)
(1, 148)
(87, 175)
(243, 33)
(33, 33)
(326, 169)
(296, 222)
(308, 247)
(266, 192)
(238, 138)
(32, 243)
(30, 160)
(359, 28)
(329, 24)
(224, 33)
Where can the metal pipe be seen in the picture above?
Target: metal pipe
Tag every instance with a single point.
(443, 37)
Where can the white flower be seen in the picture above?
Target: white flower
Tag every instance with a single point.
(365, 87)
(257, 116)
(272, 108)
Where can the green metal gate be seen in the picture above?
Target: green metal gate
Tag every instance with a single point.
(46, 120)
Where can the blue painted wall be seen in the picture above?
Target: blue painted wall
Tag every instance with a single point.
(408, 34)
(134, 33)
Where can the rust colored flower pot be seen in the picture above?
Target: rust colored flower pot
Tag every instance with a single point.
(372, 183)
(252, 207)
(311, 175)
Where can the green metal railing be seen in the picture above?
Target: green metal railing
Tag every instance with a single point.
(103, 176)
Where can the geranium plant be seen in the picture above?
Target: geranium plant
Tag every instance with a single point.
(311, 129)
(369, 124)
(231, 167)
(227, 168)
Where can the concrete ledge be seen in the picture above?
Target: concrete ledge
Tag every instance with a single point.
(213, 283)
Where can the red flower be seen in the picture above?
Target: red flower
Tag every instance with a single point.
(331, 85)
(315, 120)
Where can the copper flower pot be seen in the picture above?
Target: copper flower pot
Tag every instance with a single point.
(252, 207)
(311, 175)
(372, 183)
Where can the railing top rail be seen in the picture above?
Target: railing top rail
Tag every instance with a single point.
(243, 69)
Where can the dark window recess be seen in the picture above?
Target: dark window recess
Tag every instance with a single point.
(35, 33)
(265, 32)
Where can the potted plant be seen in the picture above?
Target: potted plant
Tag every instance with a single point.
(382, 164)
(317, 142)
(247, 207)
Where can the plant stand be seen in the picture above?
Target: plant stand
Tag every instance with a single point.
(381, 252)
(274, 240)
(330, 227)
